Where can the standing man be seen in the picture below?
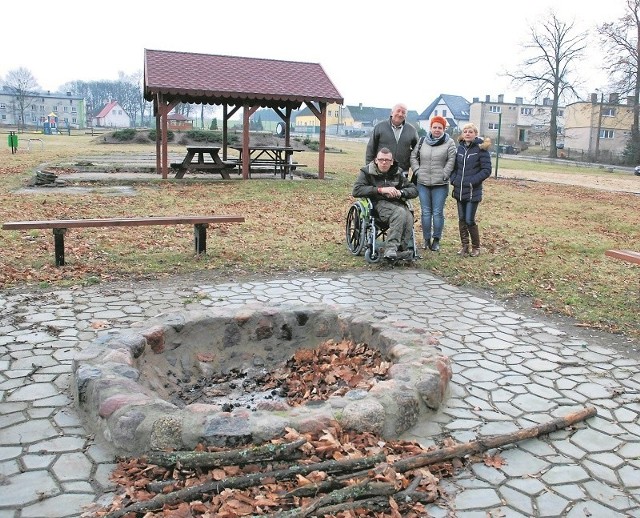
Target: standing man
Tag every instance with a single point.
(394, 134)
(384, 183)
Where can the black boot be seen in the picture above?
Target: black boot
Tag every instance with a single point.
(435, 246)
(464, 238)
(474, 232)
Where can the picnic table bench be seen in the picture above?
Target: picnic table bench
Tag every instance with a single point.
(628, 256)
(278, 159)
(203, 158)
(625, 255)
(61, 226)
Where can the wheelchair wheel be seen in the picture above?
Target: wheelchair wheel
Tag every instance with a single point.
(371, 257)
(355, 230)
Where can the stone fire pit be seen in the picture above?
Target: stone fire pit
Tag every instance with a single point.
(125, 382)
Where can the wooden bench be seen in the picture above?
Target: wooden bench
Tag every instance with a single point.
(267, 166)
(207, 167)
(624, 255)
(60, 227)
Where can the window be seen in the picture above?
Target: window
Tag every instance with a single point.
(495, 109)
(65, 108)
(55, 108)
(3, 106)
(74, 109)
(608, 112)
(33, 107)
(493, 125)
(526, 111)
(444, 113)
(4, 117)
(34, 118)
(42, 108)
(74, 120)
(560, 112)
(606, 133)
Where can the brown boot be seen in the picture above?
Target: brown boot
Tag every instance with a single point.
(474, 232)
(464, 238)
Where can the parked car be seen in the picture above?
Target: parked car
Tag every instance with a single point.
(636, 171)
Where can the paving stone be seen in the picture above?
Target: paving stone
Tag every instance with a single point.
(25, 433)
(61, 506)
(510, 371)
(9, 452)
(565, 474)
(23, 489)
(477, 499)
(33, 392)
(72, 466)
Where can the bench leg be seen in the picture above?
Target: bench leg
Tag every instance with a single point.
(58, 239)
(200, 237)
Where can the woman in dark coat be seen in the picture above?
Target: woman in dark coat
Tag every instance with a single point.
(473, 166)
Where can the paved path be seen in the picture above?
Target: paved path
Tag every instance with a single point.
(510, 372)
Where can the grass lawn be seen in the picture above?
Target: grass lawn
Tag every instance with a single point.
(540, 240)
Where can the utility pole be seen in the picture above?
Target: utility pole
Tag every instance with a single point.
(498, 144)
(599, 125)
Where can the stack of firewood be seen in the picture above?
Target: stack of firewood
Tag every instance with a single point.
(335, 473)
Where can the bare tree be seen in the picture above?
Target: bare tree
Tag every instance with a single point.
(621, 41)
(21, 83)
(554, 48)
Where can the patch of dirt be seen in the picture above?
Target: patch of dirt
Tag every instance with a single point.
(615, 182)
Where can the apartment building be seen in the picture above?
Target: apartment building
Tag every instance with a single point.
(61, 110)
(520, 124)
(600, 127)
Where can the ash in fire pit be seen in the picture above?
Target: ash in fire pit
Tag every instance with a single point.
(220, 377)
(330, 370)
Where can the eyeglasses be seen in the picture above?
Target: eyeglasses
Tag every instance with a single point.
(384, 159)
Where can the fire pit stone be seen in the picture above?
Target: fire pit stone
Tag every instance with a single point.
(125, 382)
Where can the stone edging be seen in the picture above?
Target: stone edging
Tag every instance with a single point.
(118, 378)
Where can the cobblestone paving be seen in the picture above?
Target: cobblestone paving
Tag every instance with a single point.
(510, 371)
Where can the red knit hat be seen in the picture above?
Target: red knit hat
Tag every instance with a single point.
(439, 119)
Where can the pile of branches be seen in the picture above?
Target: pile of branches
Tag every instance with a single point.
(336, 473)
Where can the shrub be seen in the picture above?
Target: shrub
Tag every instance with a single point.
(204, 136)
(152, 135)
(124, 135)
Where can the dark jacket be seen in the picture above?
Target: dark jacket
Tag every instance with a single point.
(383, 136)
(370, 178)
(473, 166)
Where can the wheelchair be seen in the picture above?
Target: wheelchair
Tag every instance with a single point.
(366, 234)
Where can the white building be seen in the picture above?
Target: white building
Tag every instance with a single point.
(112, 115)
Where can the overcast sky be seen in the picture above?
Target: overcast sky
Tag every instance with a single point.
(410, 51)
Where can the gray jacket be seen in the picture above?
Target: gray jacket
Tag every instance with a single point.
(436, 161)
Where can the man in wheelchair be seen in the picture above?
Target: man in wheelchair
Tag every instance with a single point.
(388, 187)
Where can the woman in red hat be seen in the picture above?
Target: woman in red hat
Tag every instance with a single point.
(432, 161)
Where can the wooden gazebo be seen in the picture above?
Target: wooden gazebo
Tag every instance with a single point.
(235, 82)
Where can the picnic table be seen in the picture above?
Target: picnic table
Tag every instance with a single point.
(203, 158)
(278, 159)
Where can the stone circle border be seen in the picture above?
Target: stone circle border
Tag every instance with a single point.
(120, 403)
